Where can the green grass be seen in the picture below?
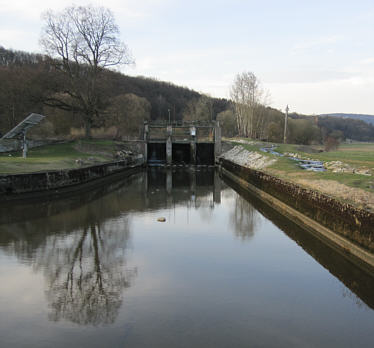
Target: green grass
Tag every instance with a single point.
(286, 164)
(353, 180)
(100, 142)
(249, 147)
(356, 155)
(53, 157)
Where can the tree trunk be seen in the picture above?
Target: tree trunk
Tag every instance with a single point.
(87, 128)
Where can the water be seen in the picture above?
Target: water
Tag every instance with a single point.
(98, 270)
(315, 166)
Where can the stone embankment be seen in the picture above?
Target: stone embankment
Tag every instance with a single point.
(251, 159)
(15, 186)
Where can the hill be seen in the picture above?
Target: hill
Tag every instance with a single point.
(28, 83)
(366, 118)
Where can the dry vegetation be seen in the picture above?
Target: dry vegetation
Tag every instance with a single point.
(360, 197)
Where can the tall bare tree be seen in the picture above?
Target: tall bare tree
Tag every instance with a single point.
(82, 42)
(249, 100)
(200, 109)
(127, 112)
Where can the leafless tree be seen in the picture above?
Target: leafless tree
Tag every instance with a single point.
(82, 42)
(127, 112)
(200, 109)
(249, 101)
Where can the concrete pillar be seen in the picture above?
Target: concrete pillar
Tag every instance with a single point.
(217, 140)
(169, 145)
(193, 144)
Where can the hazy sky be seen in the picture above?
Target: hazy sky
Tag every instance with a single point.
(317, 56)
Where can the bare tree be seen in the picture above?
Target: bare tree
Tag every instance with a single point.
(200, 109)
(127, 112)
(227, 122)
(82, 42)
(249, 100)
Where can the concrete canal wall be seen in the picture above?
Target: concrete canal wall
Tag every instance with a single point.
(14, 186)
(349, 228)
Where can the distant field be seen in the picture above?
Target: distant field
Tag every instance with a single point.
(58, 156)
(360, 154)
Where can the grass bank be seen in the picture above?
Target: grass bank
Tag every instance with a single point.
(74, 154)
(357, 189)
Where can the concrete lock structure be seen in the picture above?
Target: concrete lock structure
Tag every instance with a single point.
(182, 143)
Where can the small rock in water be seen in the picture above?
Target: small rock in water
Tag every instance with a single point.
(161, 219)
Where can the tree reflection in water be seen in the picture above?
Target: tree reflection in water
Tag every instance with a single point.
(86, 273)
(244, 218)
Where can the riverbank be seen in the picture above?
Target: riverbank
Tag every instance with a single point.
(348, 178)
(30, 185)
(62, 156)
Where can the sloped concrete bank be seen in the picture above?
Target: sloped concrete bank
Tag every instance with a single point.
(17, 186)
(343, 226)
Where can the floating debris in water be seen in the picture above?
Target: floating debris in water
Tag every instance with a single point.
(161, 219)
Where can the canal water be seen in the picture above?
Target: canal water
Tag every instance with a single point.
(98, 269)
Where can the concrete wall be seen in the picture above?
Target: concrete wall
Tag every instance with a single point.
(355, 225)
(14, 185)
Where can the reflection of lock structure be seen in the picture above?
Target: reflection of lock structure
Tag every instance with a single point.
(193, 144)
(169, 145)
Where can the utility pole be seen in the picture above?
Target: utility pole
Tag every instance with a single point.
(169, 115)
(285, 125)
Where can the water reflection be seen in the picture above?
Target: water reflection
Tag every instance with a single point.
(245, 219)
(86, 274)
(81, 251)
(168, 187)
(358, 280)
(80, 244)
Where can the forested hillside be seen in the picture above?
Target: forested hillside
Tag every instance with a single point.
(363, 117)
(29, 84)
(340, 128)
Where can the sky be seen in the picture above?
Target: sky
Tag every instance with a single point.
(316, 56)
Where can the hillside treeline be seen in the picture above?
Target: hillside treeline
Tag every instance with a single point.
(338, 128)
(268, 125)
(29, 83)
